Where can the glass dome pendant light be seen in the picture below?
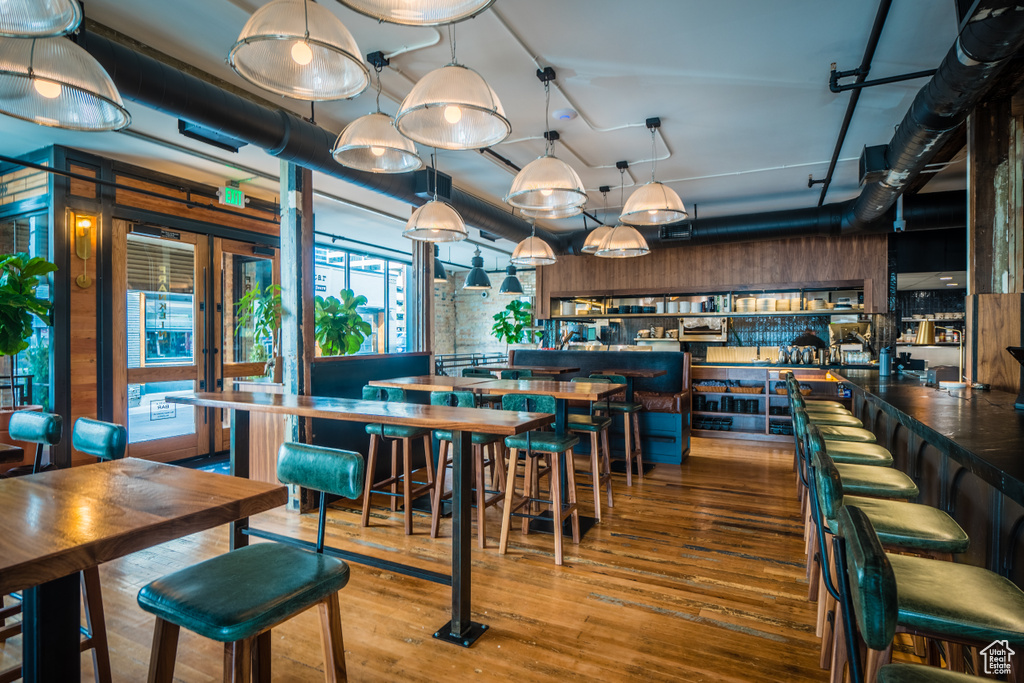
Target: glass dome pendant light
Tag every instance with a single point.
(39, 18)
(418, 12)
(533, 251)
(371, 143)
(623, 241)
(436, 221)
(653, 203)
(511, 283)
(299, 49)
(453, 108)
(597, 235)
(56, 83)
(547, 187)
(477, 276)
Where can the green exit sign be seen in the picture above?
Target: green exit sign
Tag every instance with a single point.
(232, 196)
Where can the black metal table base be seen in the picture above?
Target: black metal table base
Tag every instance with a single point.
(619, 467)
(467, 639)
(544, 525)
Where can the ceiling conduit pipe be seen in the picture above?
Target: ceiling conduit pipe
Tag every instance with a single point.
(990, 36)
(282, 134)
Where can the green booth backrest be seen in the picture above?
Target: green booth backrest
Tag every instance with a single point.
(537, 403)
(102, 440)
(333, 471)
(872, 582)
(611, 379)
(475, 372)
(459, 399)
(516, 374)
(42, 428)
(590, 362)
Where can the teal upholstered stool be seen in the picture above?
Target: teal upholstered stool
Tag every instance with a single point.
(952, 602)
(238, 597)
(42, 429)
(476, 372)
(630, 424)
(102, 440)
(596, 428)
(402, 437)
(481, 445)
(516, 374)
(867, 480)
(536, 445)
(844, 452)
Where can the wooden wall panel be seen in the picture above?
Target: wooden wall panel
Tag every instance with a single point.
(83, 342)
(699, 268)
(82, 188)
(998, 326)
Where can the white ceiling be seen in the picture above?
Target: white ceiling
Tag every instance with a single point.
(741, 87)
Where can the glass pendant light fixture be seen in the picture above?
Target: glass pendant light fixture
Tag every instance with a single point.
(453, 108)
(568, 212)
(511, 283)
(436, 221)
(547, 185)
(623, 241)
(653, 203)
(39, 18)
(440, 274)
(477, 276)
(371, 143)
(597, 235)
(54, 82)
(533, 251)
(299, 49)
(418, 12)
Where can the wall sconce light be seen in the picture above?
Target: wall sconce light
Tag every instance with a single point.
(85, 229)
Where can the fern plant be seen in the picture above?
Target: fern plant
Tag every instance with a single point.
(339, 328)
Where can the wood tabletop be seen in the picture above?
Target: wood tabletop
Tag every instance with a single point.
(9, 453)
(430, 383)
(504, 422)
(63, 521)
(584, 391)
(638, 372)
(542, 369)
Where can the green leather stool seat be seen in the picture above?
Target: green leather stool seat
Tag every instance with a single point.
(910, 526)
(983, 607)
(396, 431)
(827, 410)
(476, 438)
(853, 453)
(841, 433)
(543, 442)
(816, 405)
(588, 423)
(877, 482)
(244, 592)
(619, 406)
(102, 440)
(476, 372)
(918, 673)
(834, 419)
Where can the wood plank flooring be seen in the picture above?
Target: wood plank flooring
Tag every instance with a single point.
(696, 574)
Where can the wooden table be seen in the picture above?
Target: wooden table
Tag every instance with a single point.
(462, 422)
(60, 522)
(431, 383)
(540, 369)
(630, 375)
(9, 453)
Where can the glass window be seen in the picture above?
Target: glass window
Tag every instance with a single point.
(399, 276)
(150, 416)
(160, 302)
(367, 275)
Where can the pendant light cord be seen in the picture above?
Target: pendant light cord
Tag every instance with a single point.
(435, 173)
(32, 59)
(451, 40)
(654, 155)
(622, 187)
(305, 11)
(378, 67)
(549, 146)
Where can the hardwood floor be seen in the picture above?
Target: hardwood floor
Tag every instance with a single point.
(696, 574)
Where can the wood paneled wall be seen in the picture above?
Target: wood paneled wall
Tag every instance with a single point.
(858, 259)
(993, 323)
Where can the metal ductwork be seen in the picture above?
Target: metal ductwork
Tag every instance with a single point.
(152, 83)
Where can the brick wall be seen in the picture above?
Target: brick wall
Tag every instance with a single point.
(463, 319)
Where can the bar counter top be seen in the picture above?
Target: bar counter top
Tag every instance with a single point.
(982, 430)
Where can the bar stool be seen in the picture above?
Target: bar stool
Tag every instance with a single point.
(600, 458)
(476, 372)
(402, 437)
(238, 597)
(630, 423)
(516, 374)
(42, 429)
(830, 416)
(480, 443)
(535, 445)
(483, 400)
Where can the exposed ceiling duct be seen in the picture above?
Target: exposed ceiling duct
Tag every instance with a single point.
(152, 83)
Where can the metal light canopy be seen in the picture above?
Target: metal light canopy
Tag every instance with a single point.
(594, 239)
(653, 204)
(39, 18)
(623, 241)
(453, 108)
(511, 283)
(435, 221)
(299, 49)
(477, 276)
(54, 82)
(371, 143)
(547, 184)
(418, 12)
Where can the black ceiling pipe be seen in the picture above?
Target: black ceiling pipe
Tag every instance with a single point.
(152, 83)
(993, 34)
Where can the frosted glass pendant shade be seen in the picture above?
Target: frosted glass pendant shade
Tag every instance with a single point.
(533, 251)
(371, 143)
(594, 239)
(653, 204)
(547, 184)
(274, 53)
(623, 241)
(419, 12)
(53, 82)
(555, 214)
(453, 108)
(38, 18)
(435, 221)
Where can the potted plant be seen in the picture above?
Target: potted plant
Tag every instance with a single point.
(339, 328)
(262, 311)
(512, 324)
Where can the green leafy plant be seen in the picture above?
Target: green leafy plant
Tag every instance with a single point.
(339, 329)
(262, 310)
(512, 324)
(20, 276)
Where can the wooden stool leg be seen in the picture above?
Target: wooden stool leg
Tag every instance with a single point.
(442, 472)
(570, 486)
(428, 455)
(555, 484)
(606, 472)
(499, 465)
(237, 661)
(481, 496)
(96, 624)
(639, 447)
(394, 475)
(371, 464)
(529, 488)
(629, 449)
(510, 490)
(407, 484)
(165, 649)
(332, 641)
(261, 658)
(595, 474)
